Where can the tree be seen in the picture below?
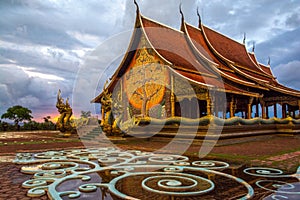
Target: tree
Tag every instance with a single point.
(47, 119)
(17, 114)
(85, 114)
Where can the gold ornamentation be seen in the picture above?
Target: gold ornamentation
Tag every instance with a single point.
(63, 123)
(145, 80)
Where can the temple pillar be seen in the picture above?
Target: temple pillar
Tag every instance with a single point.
(275, 110)
(263, 111)
(172, 97)
(294, 114)
(212, 106)
(231, 107)
(267, 112)
(289, 110)
(208, 104)
(172, 105)
(283, 110)
(249, 110)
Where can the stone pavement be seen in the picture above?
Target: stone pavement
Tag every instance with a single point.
(274, 151)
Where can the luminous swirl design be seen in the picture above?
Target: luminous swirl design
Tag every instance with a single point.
(211, 164)
(156, 174)
(264, 172)
(178, 184)
(279, 187)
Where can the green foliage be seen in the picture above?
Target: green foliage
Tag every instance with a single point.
(17, 114)
(33, 125)
(85, 114)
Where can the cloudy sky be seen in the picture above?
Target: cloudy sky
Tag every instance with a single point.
(74, 45)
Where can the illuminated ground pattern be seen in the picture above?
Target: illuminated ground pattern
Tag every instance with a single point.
(108, 173)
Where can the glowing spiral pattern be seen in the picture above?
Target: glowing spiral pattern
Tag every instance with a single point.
(279, 187)
(126, 172)
(210, 164)
(168, 159)
(264, 172)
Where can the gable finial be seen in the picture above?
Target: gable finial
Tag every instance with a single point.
(137, 6)
(199, 17)
(269, 61)
(180, 10)
(244, 40)
(253, 46)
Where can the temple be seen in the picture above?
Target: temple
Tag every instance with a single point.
(191, 73)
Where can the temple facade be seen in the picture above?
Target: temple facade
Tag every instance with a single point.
(193, 72)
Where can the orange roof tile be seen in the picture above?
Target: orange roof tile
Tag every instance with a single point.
(230, 49)
(199, 42)
(172, 45)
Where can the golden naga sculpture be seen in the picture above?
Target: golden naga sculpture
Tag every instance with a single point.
(109, 122)
(63, 123)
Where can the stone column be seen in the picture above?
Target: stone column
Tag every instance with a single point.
(231, 107)
(294, 114)
(263, 109)
(208, 104)
(275, 110)
(212, 105)
(249, 110)
(283, 110)
(172, 97)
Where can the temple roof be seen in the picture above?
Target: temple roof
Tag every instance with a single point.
(172, 45)
(202, 56)
(198, 39)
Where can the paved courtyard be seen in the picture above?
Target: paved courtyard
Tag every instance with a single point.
(241, 155)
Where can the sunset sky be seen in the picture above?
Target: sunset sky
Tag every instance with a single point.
(75, 45)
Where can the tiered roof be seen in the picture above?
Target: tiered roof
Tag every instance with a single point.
(204, 57)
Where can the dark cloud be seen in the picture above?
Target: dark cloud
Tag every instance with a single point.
(76, 45)
(282, 49)
(288, 74)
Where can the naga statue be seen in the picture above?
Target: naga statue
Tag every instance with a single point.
(109, 123)
(63, 123)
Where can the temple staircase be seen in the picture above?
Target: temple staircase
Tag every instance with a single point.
(89, 133)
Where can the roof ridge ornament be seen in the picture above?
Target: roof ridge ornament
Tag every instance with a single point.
(253, 46)
(244, 40)
(199, 17)
(182, 18)
(137, 6)
(269, 61)
(180, 11)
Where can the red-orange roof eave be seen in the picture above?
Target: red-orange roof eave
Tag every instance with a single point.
(172, 45)
(259, 66)
(192, 43)
(267, 70)
(237, 53)
(286, 90)
(132, 46)
(214, 84)
(223, 74)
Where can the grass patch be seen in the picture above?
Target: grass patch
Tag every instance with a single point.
(38, 142)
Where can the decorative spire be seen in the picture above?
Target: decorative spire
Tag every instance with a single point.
(137, 6)
(269, 61)
(253, 46)
(244, 40)
(199, 17)
(180, 10)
